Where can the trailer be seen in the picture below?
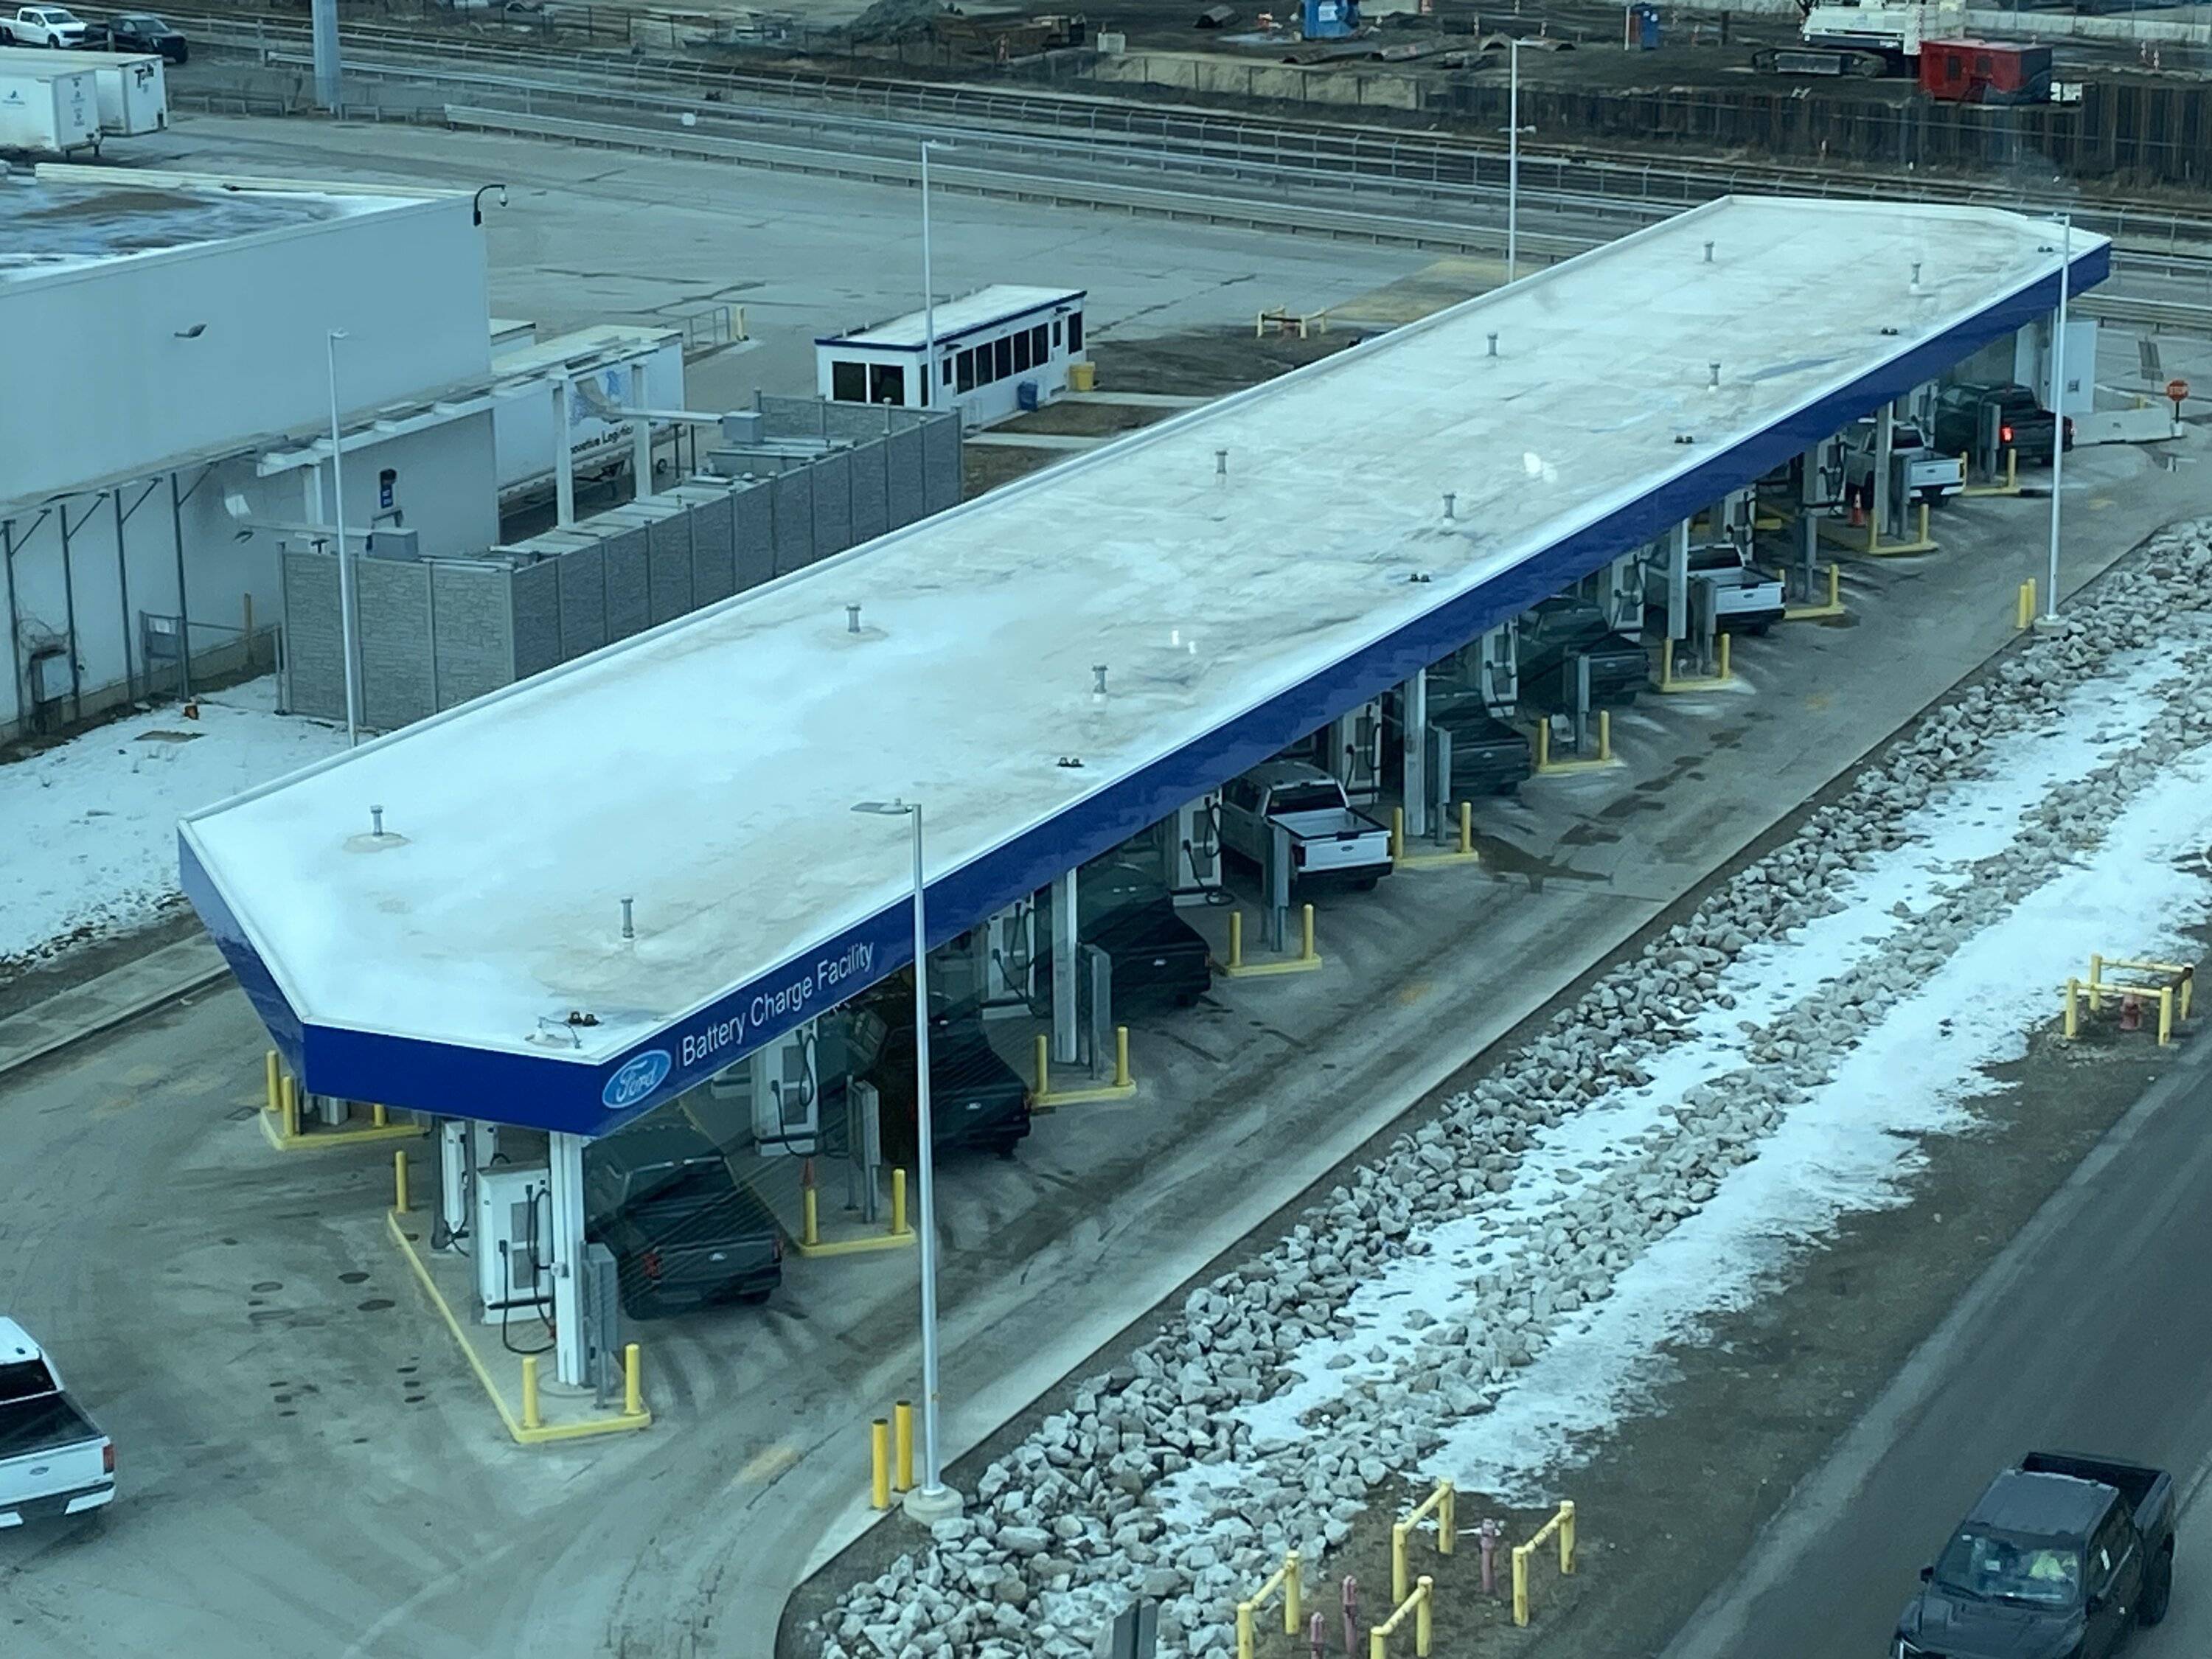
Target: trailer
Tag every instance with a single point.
(1985, 72)
(133, 88)
(47, 110)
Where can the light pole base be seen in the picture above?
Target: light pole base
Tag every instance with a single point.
(930, 1505)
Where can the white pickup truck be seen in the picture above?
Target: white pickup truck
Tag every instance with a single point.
(1745, 597)
(1327, 838)
(1922, 472)
(54, 1460)
(41, 26)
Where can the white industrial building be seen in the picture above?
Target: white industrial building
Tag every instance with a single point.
(999, 350)
(178, 330)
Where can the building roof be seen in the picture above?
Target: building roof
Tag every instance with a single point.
(986, 307)
(706, 770)
(65, 218)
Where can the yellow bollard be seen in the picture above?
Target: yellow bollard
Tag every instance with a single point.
(1244, 1637)
(1836, 584)
(2097, 984)
(1566, 1537)
(880, 1464)
(1467, 827)
(898, 1203)
(1293, 1594)
(1044, 1066)
(1306, 934)
(376, 1116)
(1521, 1585)
(1605, 733)
(1447, 1518)
(2073, 1003)
(1399, 1572)
(2012, 469)
(1122, 1057)
(1725, 638)
(271, 1070)
(633, 1381)
(1378, 1645)
(1397, 834)
(810, 1232)
(1666, 664)
(2188, 983)
(1923, 521)
(399, 1181)
(902, 1445)
(2164, 1015)
(530, 1419)
(1423, 1629)
(289, 1098)
(2023, 608)
(1236, 942)
(1544, 737)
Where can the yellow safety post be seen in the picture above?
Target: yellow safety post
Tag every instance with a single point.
(1293, 1594)
(530, 1417)
(898, 1201)
(399, 1181)
(2164, 1015)
(1544, 727)
(1306, 951)
(1424, 1616)
(1923, 521)
(1836, 586)
(376, 1116)
(289, 1095)
(880, 1464)
(1397, 834)
(1418, 1605)
(271, 1071)
(2096, 982)
(2012, 469)
(902, 1445)
(810, 1232)
(633, 1381)
(1725, 638)
(1666, 666)
(1043, 1067)
(2024, 606)
(2073, 1003)
(1467, 828)
(1236, 942)
(1122, 1080)
(1605, 715)
(1566, 1519)
(1444, 1504)
(1288, 1579)
(1563, 1524)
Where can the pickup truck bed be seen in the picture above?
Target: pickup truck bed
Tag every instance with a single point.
(29, 1428)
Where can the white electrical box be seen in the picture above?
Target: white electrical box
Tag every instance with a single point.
(514, 1240)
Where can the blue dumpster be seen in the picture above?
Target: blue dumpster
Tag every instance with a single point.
(1644, 27)
(1025, 394)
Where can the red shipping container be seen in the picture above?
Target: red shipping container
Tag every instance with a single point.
(1985, 72)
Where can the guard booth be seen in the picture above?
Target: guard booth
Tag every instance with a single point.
(1000, 351)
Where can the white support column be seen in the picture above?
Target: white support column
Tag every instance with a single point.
(565, 1154)
(1413, 725)
(1678, 580)
(564, 456)
(453, 1180)
(1885, 427)
(1064, 942)
(640, 433)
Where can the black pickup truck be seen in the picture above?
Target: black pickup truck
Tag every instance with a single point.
(1561, 632)
(683, 1233)
(2058, 1559)
(1159, 958)
(975, 1099)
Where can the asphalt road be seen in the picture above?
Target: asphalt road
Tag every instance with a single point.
(2092, 1332)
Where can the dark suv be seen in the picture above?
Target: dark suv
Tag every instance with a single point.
(2023, 425)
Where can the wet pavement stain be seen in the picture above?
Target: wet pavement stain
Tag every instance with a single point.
(374, 1304)
(354, 1277)
(266, 1285)
(1502, 858)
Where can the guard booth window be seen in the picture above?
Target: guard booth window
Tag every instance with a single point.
(849, 383)
(886, 383)
(1055, 331)
(967, 382)
(1039, 351)
(1021, 351)
(1004, 350)
(1075, 330)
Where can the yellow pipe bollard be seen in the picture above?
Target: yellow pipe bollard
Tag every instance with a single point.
(1666, 664)
(1465, 827)
(902, 1445)
(633, 1381)
(399, 1194)
(810, 1232)
(2164, 1015)
(1566, 1537)
(376, 1116)
(1044, 1066)
(1605, 732)
(1293, 1594)
(2023, 605)
(1122, 1057)
(1424, 1631)
(1923, 521)
(530, 1417)
(898, 1203)
(1306, 934)
(1236, 943)
(1544, 735)
(271, 1070)
(880, 1464)
(1521, 1585)
(289, 1096)
(1836, 585)
(2188, 984)
(2073, 1004)
(1725, 638)
(2097, 983)
(2012, 469)
(1397, 834)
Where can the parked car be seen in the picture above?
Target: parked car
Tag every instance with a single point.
(1328, 840)
(1488, 757)
(1922, 472)
(41, 26)
(139, 31)
(1559, 632)
(54, 1460)
(2023, 424)
(1745, 597)
(684, 1232)
(1158, 957)
(977, 1100)
(2056, 1559)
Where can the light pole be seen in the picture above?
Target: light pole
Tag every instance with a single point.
(2058, 408)
(932, 1499)
(1513, 166)
(928, 324)
(345, 564)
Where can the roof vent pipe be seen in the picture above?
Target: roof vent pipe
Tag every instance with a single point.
(1916, 275)
(1715, 383)
(1494, 342)
(851, 619)
(376, 821)
(1099, 685)
(1709, 253)
(1220, 463)
(1451, 504)
(630, 928)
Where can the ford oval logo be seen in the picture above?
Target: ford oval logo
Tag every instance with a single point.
(640, 1076)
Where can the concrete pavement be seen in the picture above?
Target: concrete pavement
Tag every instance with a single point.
(2090, 1332)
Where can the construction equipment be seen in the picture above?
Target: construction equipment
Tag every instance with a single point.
(1880, 37)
